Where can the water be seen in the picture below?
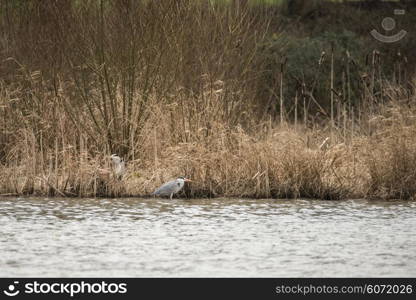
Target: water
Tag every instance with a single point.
(217, 237)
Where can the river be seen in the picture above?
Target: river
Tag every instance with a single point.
(48, 237)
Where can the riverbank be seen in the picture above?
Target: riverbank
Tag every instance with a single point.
(275, 162)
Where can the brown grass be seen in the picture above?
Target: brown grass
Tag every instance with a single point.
(276, 161)
(174, 87)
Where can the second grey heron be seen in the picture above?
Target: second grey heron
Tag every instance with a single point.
(172, 187)
(119, 166)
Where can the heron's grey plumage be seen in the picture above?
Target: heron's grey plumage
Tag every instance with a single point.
(170, 188)
(119, 166)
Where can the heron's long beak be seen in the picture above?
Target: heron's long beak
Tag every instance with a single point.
(187, 180)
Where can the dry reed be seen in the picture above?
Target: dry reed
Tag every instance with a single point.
(173, 86)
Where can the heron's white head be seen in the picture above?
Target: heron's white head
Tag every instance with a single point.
(116, 159)
(184, 179)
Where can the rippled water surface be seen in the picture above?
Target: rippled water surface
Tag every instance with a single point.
(217, 237)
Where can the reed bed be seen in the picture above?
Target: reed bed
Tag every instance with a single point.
(279, 161)
(188, 88)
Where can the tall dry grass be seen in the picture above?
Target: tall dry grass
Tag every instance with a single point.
(175, 88)
(279, 161)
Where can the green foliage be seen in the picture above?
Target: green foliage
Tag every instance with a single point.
(307, 60)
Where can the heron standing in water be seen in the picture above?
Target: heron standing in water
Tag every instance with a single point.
(119, 166)
(171, 187)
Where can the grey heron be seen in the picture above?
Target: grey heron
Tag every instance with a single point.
(119, 166)
(172, 187)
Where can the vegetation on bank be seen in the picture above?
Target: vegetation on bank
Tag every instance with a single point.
(248, 101)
